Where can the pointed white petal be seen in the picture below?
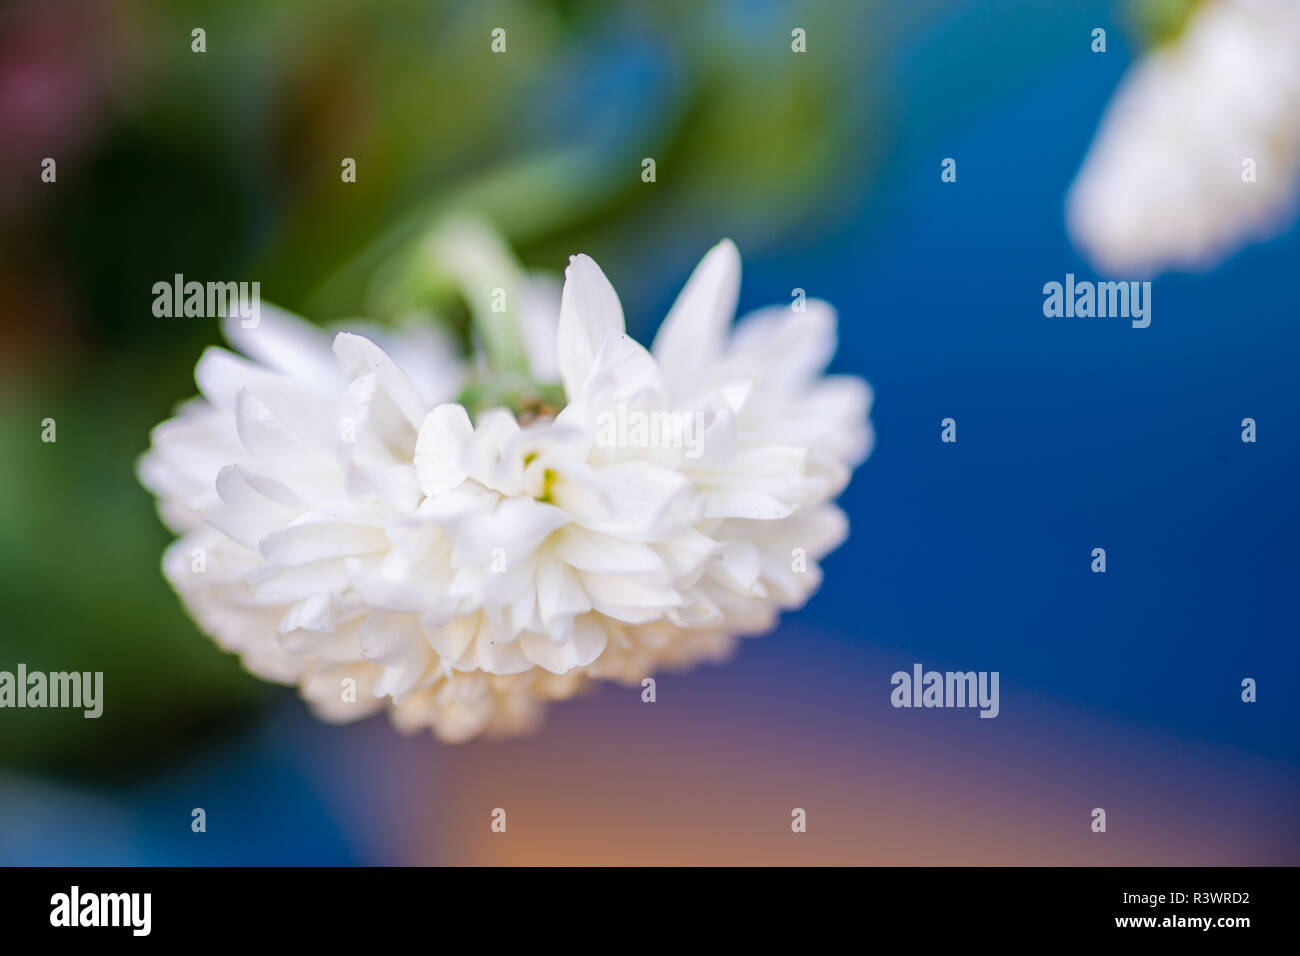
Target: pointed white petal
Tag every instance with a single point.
(693, 334)
(590, 314)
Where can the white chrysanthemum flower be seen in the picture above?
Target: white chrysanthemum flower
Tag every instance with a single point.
(345, 526)
(1162, 186)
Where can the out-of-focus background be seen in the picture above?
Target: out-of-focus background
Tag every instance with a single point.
(1119, 690)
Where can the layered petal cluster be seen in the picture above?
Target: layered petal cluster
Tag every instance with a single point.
(347, 527)
(1199, 150)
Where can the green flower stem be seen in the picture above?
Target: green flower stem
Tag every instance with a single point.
(491, 281)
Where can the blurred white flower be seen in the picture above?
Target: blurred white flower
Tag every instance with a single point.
(1162, 186)
(345, 526)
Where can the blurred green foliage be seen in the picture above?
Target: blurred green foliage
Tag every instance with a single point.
(1156, 21)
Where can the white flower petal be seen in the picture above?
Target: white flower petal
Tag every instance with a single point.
(693, 334)
(286, 343)
(315, 538)
(593, 551)
(270, 440)
(358, 355)
(590, 314)
(440, 449)
(587, 643)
